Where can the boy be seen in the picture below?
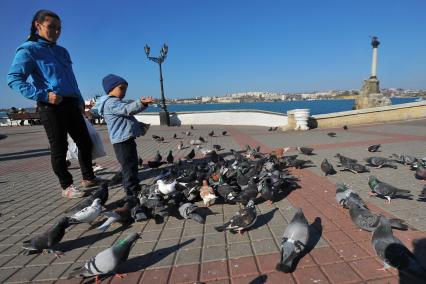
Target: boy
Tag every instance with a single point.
(123, 128)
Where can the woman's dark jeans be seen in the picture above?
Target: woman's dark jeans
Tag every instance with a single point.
(58, 121)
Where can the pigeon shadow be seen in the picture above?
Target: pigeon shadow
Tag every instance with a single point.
(315, 233)
(261, 279)
(263, 219)
(87, 240)
(144, 261)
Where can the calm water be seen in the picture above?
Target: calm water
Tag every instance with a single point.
(316, 107)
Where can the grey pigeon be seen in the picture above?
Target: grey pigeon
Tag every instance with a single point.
(354, 167)
(266, 190)
(107, 261)
(327, 168)
(187, 211)
(368, 221)
(121, 214)
(294, 241)
(422, 195)
(48, 240)
(394, 253)
(227, 192)
(404, 159)
(332, 134)
(386, 190)
(345, 160)
(242, 220)
(344, 192)
(306, 150)
(373, 148)
(380, 162)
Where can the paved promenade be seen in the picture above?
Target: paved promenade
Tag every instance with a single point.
(183, 251)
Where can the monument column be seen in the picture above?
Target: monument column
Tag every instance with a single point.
(375, 43)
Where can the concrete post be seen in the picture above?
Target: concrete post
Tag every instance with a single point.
(374, 64)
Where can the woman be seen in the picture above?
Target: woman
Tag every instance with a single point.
(58, 97)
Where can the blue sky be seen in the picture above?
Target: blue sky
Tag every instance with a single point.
(225, 46)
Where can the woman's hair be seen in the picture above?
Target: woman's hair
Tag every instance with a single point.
(39, 17)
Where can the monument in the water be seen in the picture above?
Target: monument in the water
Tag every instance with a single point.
(370, 95)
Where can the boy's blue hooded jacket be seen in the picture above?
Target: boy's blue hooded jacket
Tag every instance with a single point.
(50, 68)
(122, 125)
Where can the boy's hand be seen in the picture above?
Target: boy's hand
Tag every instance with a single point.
(147, 100)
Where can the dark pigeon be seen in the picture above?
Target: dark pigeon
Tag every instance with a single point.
(48, 240)
(327, 168)
(332, 134)
(190, 155)
(380, 162)
(345, 160)
(373, 148)
(170, 157)
(354, 167)
(242, 220)
(102, 193)
(188, 211)
(344, 193)
(386, 190)
(306, 150)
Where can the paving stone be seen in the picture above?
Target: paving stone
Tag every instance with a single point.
(310, 275)
(214, 239)
(367, 268)
(242, 266)
(52, 272)
(25, 274)
(214, 270)
(264, 247)
(6, 273)
(185, 274)
(341, 273)
(157, 276)
(214, 253)
(188, 256)
(239, 249)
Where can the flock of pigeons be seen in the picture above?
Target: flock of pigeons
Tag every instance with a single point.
(246, 177)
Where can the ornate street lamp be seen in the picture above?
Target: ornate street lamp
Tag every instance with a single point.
(164, 114)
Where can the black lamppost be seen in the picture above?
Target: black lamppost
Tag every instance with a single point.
(164, 114)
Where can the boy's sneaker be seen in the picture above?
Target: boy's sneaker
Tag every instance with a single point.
(72, 192)
(89, 183)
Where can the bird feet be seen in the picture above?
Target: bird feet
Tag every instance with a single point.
(120, 276)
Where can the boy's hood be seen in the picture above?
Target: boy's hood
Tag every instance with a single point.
(100, 105)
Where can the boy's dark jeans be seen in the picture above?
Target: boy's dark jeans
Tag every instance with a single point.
(58, 120)
(127, 156)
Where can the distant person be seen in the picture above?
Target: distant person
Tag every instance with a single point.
(123, 128)
(58, 97)
(22, 110)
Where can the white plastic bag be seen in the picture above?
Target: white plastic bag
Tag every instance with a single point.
(97, 145)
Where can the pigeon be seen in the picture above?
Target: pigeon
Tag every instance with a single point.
(157, 157)
(202, 139)
(180, 145)
(196, 142)
(116, 179)
(175, 136)
(214, 157)
(211, 133)
(354, 167)
(187, 211)
(305, 150)
(299, 164)
(158, 138)
(270, 128)
(102, 193)
(368, 221)
(249, 193)
(190, 155)
(217, 147)
(88, 214)
(192, 127)
(188, 133)
(380, 162)
(170, 157)
(166, 188)
(327, 168)
(404, 159)
(242, 220)
(332, 134)
(373, 148)
(344, 193)
(47, 241)
(386, 190)
(207, 194)
(345, 127)
(345, 160)
(420, 171)
(394, 253)
(422, 195)
(294, 241)
(275, 128)
(121, 214)
(266, 190)
(140, 162)
(224, 132)
(227, 192)
(107, 261)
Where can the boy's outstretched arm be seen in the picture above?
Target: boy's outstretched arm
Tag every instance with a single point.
(127, 109)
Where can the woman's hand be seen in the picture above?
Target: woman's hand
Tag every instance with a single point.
(54, 99)
(147, 100)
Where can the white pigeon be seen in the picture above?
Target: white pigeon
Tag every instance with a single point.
(112, 218)
(204, 151)
(195, 142)
(88, 214)
(166, 188)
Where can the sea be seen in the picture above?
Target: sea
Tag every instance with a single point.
(315, 106)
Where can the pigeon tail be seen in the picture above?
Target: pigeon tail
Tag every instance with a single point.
(283, 267)
(73, 221)
(196, 217)
(222, 227)
(398, 224)
(78, 271)
(403, 192)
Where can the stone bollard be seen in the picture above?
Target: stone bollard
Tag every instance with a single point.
(301, 117)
